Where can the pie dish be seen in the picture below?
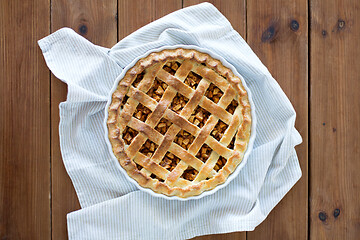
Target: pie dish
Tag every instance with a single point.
(179, 122)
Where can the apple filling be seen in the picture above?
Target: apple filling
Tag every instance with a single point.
(183, 138)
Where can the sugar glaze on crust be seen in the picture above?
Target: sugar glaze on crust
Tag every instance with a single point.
(179, 122)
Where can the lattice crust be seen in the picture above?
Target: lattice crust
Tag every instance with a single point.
(179, 122)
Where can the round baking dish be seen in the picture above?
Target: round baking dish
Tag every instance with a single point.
(250, 143)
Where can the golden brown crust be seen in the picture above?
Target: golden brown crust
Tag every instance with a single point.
(204, 174)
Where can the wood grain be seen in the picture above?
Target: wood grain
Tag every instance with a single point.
(96, 21)
(335, 120)
(235, 12)
(134, 14)
(278, 33)
(24, 121)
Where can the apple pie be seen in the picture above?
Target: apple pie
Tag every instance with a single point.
(179, 122)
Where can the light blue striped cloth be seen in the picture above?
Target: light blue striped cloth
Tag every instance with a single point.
(112, 207)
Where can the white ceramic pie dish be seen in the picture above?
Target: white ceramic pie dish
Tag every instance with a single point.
(251, 140)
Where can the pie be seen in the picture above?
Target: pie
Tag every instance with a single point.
(179, 122)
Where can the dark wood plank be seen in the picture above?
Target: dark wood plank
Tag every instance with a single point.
(235, 12)
(96, 21)
(277, 32)
(335, 120)
(134, 14)
(24, 121)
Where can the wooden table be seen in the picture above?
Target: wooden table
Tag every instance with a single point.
(310, 46)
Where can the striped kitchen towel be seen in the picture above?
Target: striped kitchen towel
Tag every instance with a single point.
(112, 207)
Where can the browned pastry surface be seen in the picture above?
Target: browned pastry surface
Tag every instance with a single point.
(179, 122)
